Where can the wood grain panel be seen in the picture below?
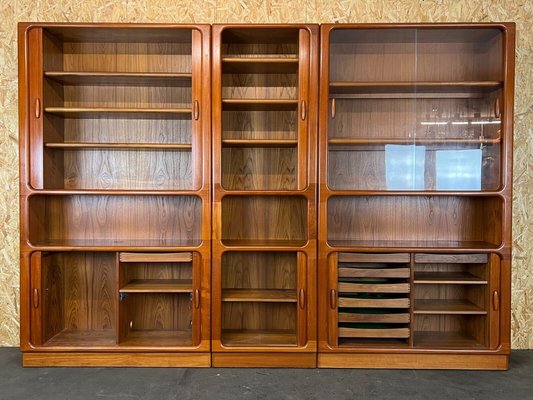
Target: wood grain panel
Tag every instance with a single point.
(259, 86)
(259, 124)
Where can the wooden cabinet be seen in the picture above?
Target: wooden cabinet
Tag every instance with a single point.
(415, 173)
(115, 194)
(334, 196)
(265, 106)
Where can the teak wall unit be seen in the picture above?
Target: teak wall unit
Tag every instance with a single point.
(115, 194)
(415, 195)
(265, 107)
(189, 198)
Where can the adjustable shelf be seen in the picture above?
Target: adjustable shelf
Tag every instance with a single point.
(119, 146)
(157, 286)
(259, 104)
(447, 306)
(259, 295)
(260, 142)
(120, 78)
(273, 64)
(443, 278)
(119, 112)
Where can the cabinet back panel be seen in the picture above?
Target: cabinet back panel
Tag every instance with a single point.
(264, 218)
(172, 219)
(79, 292)
(259, 168)
(259, 316)
(450, 331)
(159, 311)
(259, 125)
(259, 86)
(258, 270)
(418, 218)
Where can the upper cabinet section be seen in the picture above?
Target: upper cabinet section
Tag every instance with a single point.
(264, 106)
(414, 108)
(118, 108)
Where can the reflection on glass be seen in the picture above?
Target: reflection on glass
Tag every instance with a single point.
(458, 169)
(404, 166)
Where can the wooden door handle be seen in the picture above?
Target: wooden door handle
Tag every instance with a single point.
(196, 110)
(301, 298)
(333, 299)
(37, 108)
(35, 298)
(495, 300)
(197, 298)
(497, 111)
(333, 108)
(303, 110)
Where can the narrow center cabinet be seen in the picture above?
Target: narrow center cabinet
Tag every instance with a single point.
(115, 194)
(415, 195)
(265, 96)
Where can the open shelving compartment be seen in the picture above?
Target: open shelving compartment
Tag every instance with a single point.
(119, 109)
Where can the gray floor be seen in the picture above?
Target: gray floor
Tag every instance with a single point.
(235, 383)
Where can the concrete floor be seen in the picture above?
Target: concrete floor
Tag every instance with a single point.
(218, 384)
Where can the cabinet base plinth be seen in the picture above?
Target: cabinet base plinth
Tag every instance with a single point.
(50, 359)
(414, 361)
(268, 360)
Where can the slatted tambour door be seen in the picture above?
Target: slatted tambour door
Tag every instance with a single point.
(373, 299)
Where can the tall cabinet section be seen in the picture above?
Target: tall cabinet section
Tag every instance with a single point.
(265, 96)
(415, 195)
(115, 194)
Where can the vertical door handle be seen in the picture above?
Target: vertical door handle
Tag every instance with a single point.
(197, 298)
(37, 108)
(303, 110)
(333, 108)
(196, 110)
(333, 299)
(35, 298)
(495, 300)
(301, 298)
(497, 111)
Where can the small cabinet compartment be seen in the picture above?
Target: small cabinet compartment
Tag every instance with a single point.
(422, 221)
(277, 221)
(452, 297)
(109, 220)
(118, 108)
(373, 299)
(78, 298)
(259, 298)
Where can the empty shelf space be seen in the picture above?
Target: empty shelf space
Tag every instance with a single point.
(378, 317)
(158, 338)
(376, 332)
(272, 64)
(260, 142)
(119, 146)
(120, 112)
(80, 338)
(442, 306)
(120, 78)
(158, 286)
(452, 258)
(400, 89)
(155, 257)
(259, 104)
(256, 337)
(369, 287)
(259, 295)
(458, 278)
(445, 340)
(344, 272)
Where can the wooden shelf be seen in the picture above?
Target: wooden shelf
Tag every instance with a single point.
(119, 112)
(120, 78)
(262, 243)
(397, 318)
(374, 272)
(373, 303)
(367, 141)
(412, 245)
(65, 244)
(82, 338)
(157, 286)
(260, 142)
(446, 306)
(157, 338)
(439, 340)
(400, 333)
(402, 258)
(259, 104)
(258, 337)
(256, 65)
(421, 258)
(118, 146)
(450, 278)
(401, 89)
(345, 287)
(259, 295)
(155, 257)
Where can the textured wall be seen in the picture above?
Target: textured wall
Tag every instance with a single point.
(274, 11)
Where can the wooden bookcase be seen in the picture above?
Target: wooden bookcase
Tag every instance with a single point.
(266, 195)
(115, 194)
(265, 107)
(415, 195)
